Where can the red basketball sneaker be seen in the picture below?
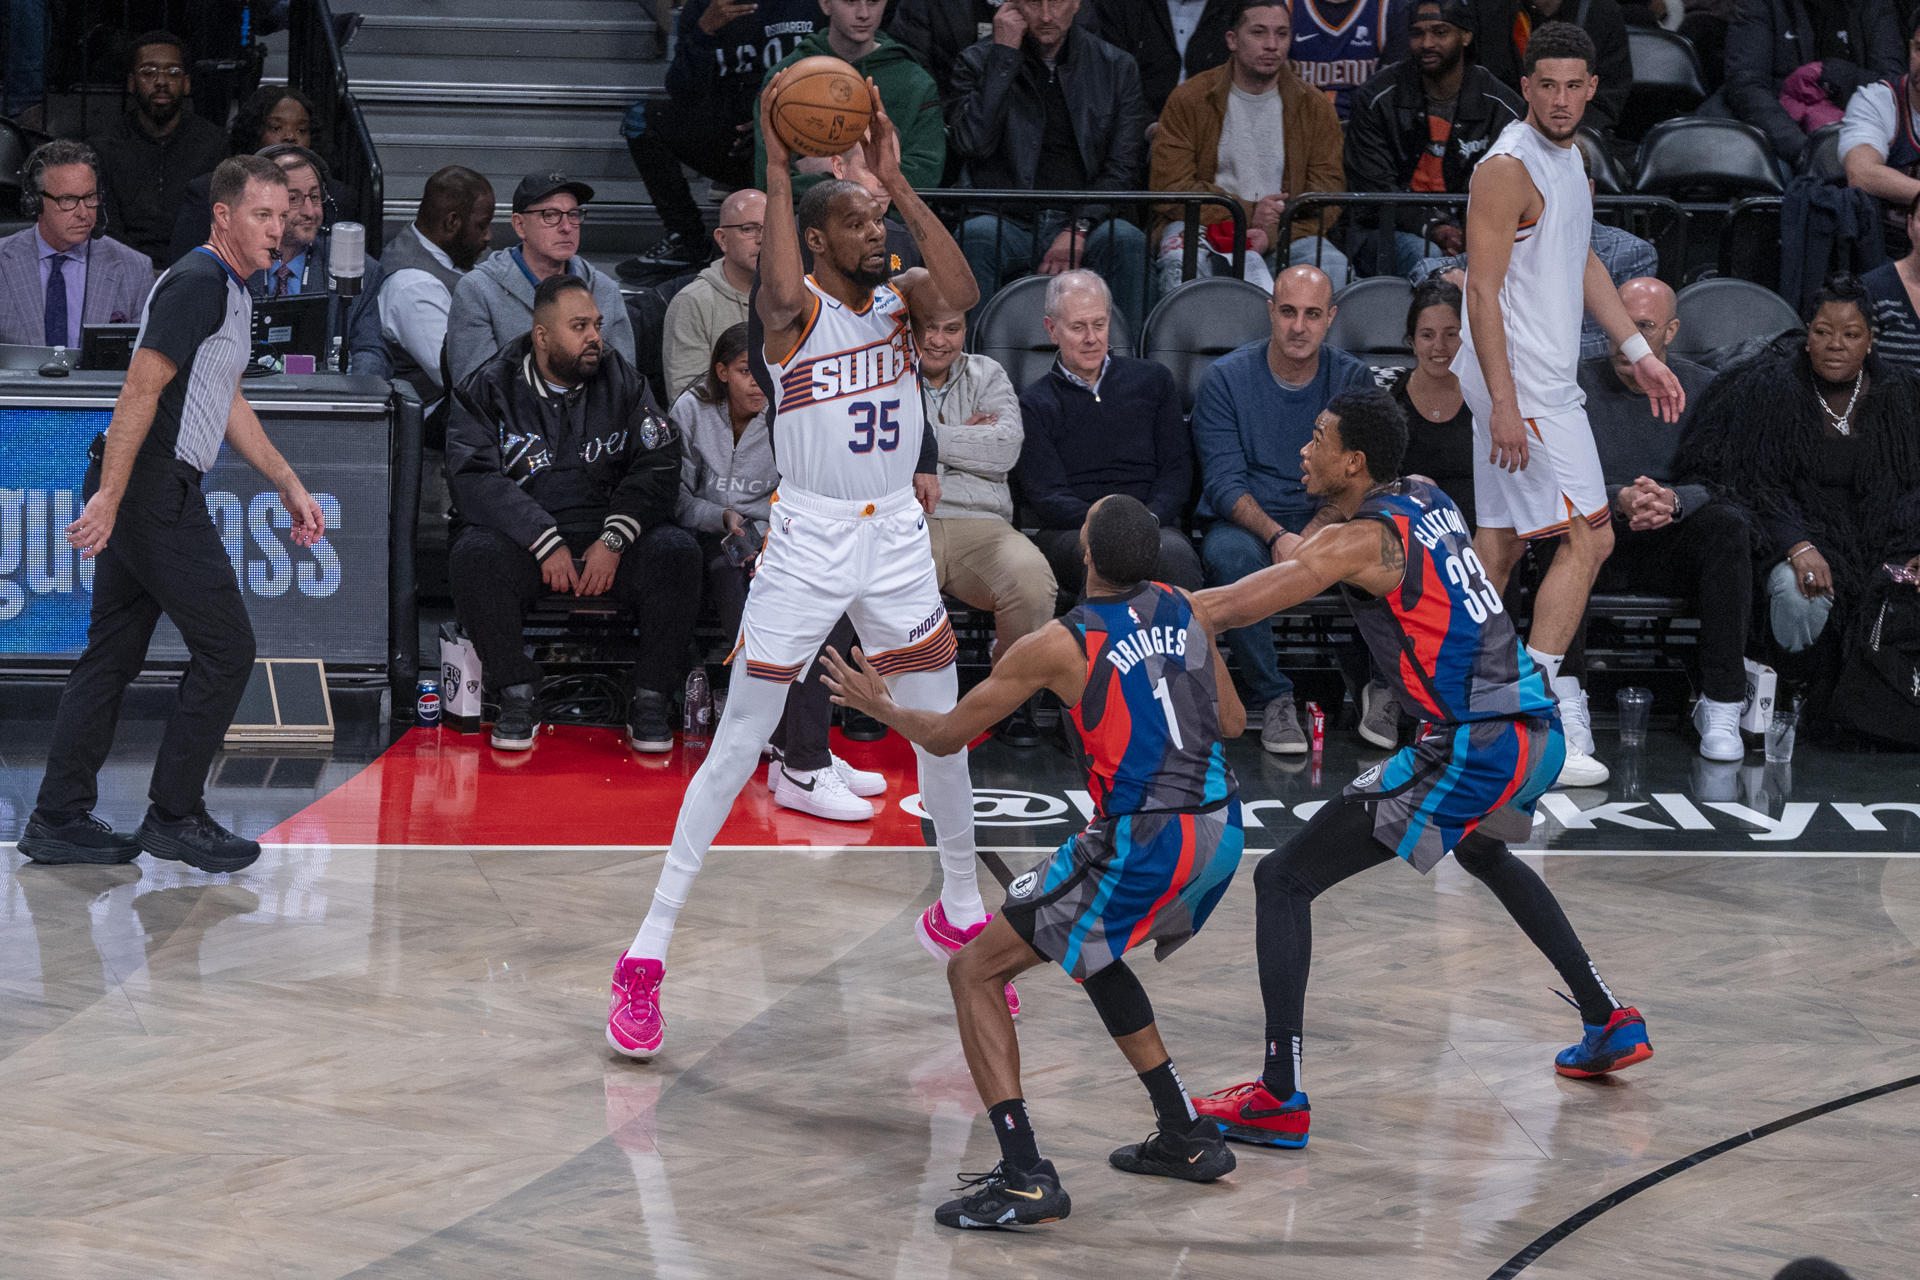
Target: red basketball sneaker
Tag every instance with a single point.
(942, 938)
(634, 1025)
(1248, 1113)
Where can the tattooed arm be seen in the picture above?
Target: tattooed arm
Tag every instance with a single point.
(1367, 554)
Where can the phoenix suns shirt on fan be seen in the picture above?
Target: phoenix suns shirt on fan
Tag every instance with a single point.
(199, 316)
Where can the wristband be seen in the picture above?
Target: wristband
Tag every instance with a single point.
(1636, 348)
(1277, 535)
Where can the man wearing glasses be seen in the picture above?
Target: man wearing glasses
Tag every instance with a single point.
(493, 303)
(716, 299)
(302, 264)
(153, 151)
(59, 273)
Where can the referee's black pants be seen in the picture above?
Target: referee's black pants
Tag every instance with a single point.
(495, 581)
(164, 556)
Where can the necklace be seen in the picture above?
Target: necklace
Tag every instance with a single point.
(1842, 422)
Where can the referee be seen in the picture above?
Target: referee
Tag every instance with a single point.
(157, 550)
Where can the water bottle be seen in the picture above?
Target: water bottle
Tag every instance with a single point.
(698, 724)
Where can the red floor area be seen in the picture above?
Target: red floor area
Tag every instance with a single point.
(576, 787)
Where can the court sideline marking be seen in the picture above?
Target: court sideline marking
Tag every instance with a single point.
(1531, 1254)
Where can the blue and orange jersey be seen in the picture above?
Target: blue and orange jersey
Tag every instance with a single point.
(1149, 721)
(1443, 638)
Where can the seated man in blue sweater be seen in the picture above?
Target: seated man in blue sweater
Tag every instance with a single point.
(1254, 413)
(1097, 424)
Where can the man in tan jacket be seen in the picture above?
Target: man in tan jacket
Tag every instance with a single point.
(1252, 129)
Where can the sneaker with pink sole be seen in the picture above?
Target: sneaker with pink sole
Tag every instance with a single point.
(942, 939)
(634, 1025)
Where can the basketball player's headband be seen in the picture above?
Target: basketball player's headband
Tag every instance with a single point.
(1457, 12)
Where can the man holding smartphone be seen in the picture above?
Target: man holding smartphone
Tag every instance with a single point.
(564, 476)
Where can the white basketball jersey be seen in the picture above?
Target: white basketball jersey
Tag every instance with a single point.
(847, 419)
(1540, 302)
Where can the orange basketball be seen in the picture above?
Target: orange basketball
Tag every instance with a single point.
(823, 107)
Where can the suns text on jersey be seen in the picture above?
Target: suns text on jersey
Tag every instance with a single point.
(1169, 642)
(849, 373)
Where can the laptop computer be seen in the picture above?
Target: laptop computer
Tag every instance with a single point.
(294, 325)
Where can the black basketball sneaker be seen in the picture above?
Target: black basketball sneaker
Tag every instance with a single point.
(1199, 1154)
(1006, 1198)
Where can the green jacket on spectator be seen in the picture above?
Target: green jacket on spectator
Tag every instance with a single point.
(912, 103)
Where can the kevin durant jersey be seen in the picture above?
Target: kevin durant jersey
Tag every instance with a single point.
(1150, 718)
(847, 414)
(1443, 638)
(1541, 306)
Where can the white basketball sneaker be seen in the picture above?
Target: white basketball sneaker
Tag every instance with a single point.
(820, 792)
(862, 782)
(1718, 724)
(1580, 769)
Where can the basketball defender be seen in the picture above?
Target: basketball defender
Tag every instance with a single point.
(1434, 624)
(1530, 271)
(1136, 665)
(846, 535)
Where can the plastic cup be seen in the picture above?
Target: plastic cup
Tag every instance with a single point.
(1636, 705)
(1780, 732)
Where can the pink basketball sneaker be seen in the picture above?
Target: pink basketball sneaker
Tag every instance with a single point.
(634, 1025)
(941, 939)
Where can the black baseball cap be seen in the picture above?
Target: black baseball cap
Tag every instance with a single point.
(536, 187)
(1457, 12)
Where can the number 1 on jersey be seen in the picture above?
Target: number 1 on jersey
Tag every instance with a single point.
(1164, 696)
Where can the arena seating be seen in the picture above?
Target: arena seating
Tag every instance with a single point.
(1666, 80)
(1012, 330)
(1200, 321)
(1701, 159)
(1372, 320)
(1719, 314)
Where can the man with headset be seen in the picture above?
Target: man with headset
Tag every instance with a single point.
(156, 550)
(303, 258)
(63, 272)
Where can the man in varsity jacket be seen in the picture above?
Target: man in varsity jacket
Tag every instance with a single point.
(564, 477)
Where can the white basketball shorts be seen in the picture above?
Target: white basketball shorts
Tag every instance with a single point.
(827, 556)
(1560, 483)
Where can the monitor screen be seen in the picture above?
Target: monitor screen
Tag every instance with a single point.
(292, 326)
(328, 601)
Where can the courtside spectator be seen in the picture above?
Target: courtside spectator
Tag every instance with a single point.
(1815, 440)
(303, 266)
(493, 303)
(1249, 128)
(1339, 44)
(54, 275)
(1044, 106)
(1171, 40)
(1895, 290)
(1421, 124)
(556, 451)
(1671, 538)
(1503, 28)
(913, 104)
(716, 299)
(937, 32)
(979, 558)
(1624, 255)
(150, 154)
(272, 114)
(1880, 136)
(1254, 413)
(724, 51)
(420, 267)
(1439, 424)
(1837, 45)
(1097, 424)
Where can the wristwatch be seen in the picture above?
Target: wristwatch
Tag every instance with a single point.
(613, 542)
(1678, 509)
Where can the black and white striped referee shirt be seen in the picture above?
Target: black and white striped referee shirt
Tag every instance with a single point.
(200, 316)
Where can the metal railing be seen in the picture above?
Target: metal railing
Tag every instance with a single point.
(316, 68)
(1661, 222)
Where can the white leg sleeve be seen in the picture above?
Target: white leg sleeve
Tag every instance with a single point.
(946, 790)
(753, 710)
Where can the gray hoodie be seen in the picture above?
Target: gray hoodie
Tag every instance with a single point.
(493, 305)
(717, 474)
(975, 460)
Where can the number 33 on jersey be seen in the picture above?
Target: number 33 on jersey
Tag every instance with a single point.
(849, 399)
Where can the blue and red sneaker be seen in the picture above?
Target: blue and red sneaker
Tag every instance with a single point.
(1621, 1042)
(1248, 1113)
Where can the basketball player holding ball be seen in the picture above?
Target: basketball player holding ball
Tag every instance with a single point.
(846, 535)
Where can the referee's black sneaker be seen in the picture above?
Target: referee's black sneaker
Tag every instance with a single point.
(1198, 1155)
(518, 722)
(1006, 1198)
(196, 840)
(84, 841)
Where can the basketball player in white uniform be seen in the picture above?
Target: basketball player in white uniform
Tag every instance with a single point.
(1530, 272)
(846, 536)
